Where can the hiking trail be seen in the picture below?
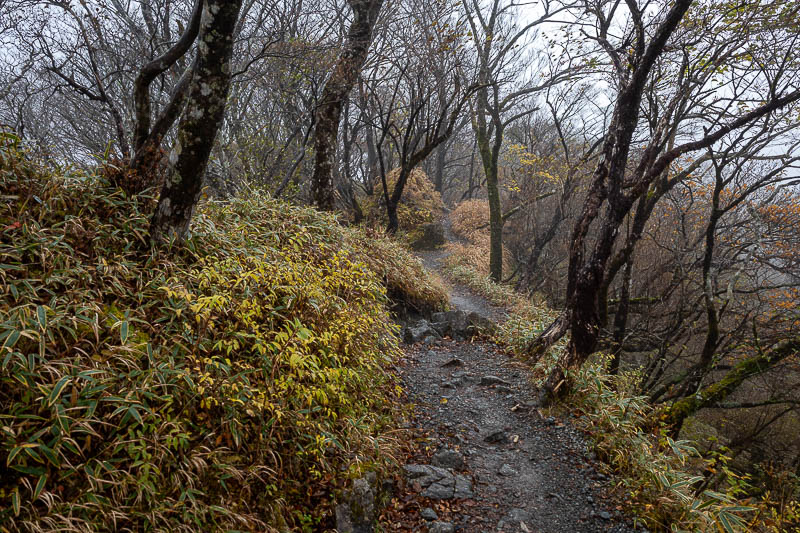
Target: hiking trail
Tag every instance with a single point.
(485, 459)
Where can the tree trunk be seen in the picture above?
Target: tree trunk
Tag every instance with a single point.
(586, 274)
(495, 227)
(621, 318)
(394, 222)
(490, 153)
(205, 110)
(438, 181)
(343, 78)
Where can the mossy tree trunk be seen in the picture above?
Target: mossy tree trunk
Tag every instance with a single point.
(205, 110)
(489, 149)
(342, 79)
(722, 389)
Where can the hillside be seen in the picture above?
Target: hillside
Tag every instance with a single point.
(229, 384)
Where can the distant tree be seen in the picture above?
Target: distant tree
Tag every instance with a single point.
(417, 100)
(337, 88)
(502, 98)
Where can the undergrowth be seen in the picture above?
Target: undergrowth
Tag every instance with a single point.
(655, 473)
(420, 204)
(229, 385)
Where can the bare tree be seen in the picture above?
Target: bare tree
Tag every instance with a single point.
(337, 88)
(618, 187)
(496, 37)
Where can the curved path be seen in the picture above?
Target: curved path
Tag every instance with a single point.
(485, 459)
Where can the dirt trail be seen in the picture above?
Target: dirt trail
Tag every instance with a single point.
(486, 460)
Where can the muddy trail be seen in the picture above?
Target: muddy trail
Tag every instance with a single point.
(484, 457)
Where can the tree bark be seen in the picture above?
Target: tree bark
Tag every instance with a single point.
(438, 180)
(490, 156)
(343, 78)
(205, 110)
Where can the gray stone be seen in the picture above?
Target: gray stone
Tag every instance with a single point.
(426, 474)
(479, 325)
(443, 328)
(439, 483)
(497, 436)
(439, 317)
(507, 470)
(517, 515)
(356, 512)
(454, 362)
(422, 331)
(605, 515)
(440, 490)
(441, 527)
(463, 488)
(429, 514)
(447, 458)
(492, 380)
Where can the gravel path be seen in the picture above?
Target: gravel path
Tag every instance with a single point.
(461, 297)
(484, 458)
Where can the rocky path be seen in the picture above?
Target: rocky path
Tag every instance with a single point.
(485, 458)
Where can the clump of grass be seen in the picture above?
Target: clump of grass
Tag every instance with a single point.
(408, 284)
(225, 385)
(469, 220)
(655, 472)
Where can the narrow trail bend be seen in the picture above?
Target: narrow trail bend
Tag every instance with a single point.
(485, 458)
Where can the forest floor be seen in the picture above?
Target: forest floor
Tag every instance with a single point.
(483, 457)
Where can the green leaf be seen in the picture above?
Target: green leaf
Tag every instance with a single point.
(15, 501)
(12, 339)
(57, 390)
(39, 486)
(716, 495)
(727, 522)
(135, 414)
(41, 316)
(123, 331)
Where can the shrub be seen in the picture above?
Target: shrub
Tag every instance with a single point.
(225, 385)
(470, 220)
(420, 203)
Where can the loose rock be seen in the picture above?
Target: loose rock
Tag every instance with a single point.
(497, 437)
(429, 514)
(447, 458)
(507, 470)
(492, 380)
(441, 527)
